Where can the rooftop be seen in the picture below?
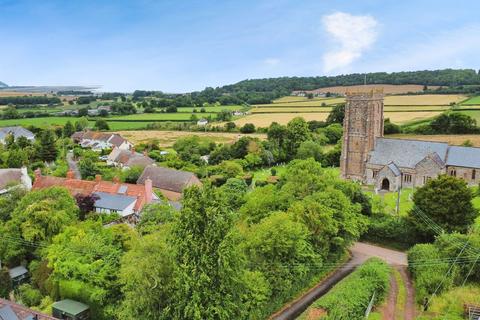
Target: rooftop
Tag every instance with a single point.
(70, 306)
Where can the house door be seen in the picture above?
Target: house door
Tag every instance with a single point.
(385, 184)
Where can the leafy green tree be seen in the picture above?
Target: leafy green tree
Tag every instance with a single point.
(9, 201)
(10, 142)
(230, 169)
(310, 149)
(333, 132)
(68, 129)
(234, 191)
(278, 246)
(248, 128)
(101, 124)
(29, 295)
(5, 283)
(297, 132)
(259, 203)
(132, 174)
(47, 150)
(208, 283)
(147, 278)
(81, 124)
(88, 164)
(229, 126)
(154, 216)
(41, 214)
(17, 158)
(447, 201)
(10, 113)
(337, 114)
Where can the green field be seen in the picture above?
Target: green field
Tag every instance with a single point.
(472, 100)
(210, 109)
(179, 116)
(475, 114)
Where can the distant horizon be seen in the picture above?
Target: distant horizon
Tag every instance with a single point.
(99, 88)
(186, 46)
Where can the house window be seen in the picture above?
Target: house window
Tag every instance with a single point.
(375, 173)
(407, 178)
(426, 178)
(473, 174)
(453, 172)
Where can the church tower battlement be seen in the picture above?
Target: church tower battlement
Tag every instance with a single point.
(362, 125)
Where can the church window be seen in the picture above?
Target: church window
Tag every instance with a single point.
(407, 178)
(453, 172)
(473, 174)
(375, 173)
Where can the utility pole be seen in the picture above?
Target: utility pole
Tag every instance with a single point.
(398, 194)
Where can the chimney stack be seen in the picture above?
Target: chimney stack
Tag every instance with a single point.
(70, 174)
(38, 174)
(148, 190)
(98, 177)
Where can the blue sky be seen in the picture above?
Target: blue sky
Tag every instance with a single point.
(182, 45)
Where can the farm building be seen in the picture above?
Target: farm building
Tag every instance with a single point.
(390, 164)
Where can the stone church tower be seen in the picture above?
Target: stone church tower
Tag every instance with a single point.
(363, 123)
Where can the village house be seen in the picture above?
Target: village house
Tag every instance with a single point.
(17, 132)
(170, 182)
(126, 159)
(98, 141)
(12, 178)
(10, 310)
(126, 199)
(391, 164)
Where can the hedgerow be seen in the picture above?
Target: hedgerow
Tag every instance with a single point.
(349, 299)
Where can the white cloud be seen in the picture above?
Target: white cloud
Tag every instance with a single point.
(271, 61)
(352, 35)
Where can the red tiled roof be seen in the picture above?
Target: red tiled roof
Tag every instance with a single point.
(23, 312)
(85, 187)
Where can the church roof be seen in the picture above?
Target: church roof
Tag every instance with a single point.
(405, 153)
(396, 171)
(463, 157)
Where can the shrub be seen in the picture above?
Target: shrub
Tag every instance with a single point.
(391, 230)
(248, 128)
(349, 299)
(428, 276)
(218, 180)
(29, 295)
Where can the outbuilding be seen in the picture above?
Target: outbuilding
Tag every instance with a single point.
(70, 310)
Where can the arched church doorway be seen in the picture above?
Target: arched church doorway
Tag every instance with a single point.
(385, 184)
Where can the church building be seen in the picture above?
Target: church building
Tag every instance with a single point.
(390, 164)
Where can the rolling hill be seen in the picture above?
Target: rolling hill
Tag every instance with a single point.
(3, 85)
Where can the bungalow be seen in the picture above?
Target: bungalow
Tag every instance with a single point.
(170, 182)
(128, 158)
(10, 310)
(17, 132)
(12, 177)
(98, 141)
(126, 199)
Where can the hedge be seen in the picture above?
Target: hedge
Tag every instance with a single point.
(349, 299)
